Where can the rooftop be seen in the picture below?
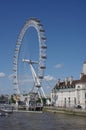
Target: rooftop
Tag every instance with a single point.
(70, 83)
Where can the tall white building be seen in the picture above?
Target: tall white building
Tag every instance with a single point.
(70, 93)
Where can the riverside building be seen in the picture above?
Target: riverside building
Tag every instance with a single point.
(70, 93)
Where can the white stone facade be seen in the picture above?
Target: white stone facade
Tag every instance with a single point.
(70, 94)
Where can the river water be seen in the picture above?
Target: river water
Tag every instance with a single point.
(42, 121)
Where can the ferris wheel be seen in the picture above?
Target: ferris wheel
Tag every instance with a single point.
(40, 63)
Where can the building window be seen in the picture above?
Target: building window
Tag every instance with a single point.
(78, 87)
(69, 101)
(65, 102)
(74, 101)
(85, 95)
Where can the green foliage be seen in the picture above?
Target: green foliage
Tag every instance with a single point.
(2, 97)
(12, 99)
(44, 101)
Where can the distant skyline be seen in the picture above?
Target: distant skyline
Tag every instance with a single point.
(65, 26)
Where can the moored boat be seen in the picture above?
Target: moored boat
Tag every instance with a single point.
(5, 108)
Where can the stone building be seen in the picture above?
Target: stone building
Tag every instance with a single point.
(70, 93)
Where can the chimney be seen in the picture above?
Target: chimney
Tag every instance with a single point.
(81, 75)
(66, 80)
(58, 82)
(84, 68)
(71, 80)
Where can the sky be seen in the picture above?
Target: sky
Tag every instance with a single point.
(65, 26)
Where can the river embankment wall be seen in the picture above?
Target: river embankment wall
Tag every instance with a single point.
(71, 111)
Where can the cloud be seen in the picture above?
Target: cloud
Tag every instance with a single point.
(49, 78)
(25, 81)
(58, 66)
(2, 74)
(10, 76)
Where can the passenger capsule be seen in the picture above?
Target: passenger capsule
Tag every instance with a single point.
(44, 57)
(42, 30)
(40, 77)
(43, 38)
(42, 67)
(44, 46)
